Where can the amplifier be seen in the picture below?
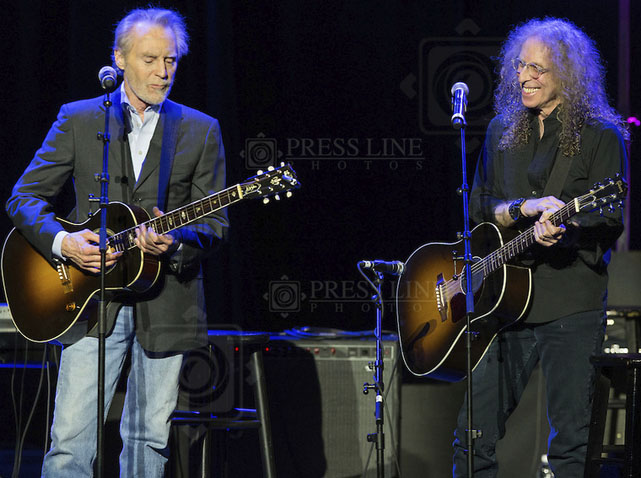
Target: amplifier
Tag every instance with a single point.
(320, 416)
(6, 324)
(15, 350)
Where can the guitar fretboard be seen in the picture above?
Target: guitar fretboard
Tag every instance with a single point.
(124, 240)
(604, 193)
(523, 241)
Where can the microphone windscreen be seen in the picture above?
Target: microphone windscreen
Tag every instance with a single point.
(460, 86)
(107, 76)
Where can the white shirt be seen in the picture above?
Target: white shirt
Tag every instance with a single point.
(142, 130)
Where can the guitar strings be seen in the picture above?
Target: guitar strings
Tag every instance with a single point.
(503, 254)
(124, 240)
(189, 213)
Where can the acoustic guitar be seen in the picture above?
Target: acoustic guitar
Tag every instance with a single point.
(430, 299)
(46, 299)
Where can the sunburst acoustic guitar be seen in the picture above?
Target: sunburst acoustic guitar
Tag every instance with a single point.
(431, 311)
(46, 299)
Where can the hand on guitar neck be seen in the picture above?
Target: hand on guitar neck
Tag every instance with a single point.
(545, 233)
(148, 241)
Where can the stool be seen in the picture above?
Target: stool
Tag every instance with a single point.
(250, 344)
(631, 450)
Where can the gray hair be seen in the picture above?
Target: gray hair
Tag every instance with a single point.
(152, 16)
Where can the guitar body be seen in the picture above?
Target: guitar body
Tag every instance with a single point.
(47, 299)
(432, 311)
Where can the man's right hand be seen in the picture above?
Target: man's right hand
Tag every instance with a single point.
(82, 248)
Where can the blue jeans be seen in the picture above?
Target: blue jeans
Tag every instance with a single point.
(152, 393)
(563, 347)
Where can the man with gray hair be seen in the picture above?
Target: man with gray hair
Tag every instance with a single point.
(163, 155)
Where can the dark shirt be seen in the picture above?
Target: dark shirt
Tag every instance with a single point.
(571, 276)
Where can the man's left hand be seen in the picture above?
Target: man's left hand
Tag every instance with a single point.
(546, 233)
(148, 241)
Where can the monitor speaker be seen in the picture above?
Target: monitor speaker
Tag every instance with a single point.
(321, 418)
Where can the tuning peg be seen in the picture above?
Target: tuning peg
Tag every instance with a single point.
(277, 197)
(260, 171)
(265, 200)
(289, 194)
(282, 163)
(271, 168)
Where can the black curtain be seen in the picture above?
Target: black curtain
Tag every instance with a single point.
(355, 94)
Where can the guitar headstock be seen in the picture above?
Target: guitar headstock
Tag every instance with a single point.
(609, 192)
(271, 183)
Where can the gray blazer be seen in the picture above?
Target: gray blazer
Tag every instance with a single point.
(171, 316)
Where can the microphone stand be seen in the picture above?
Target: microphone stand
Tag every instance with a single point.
(103, 178)
(378, 386)
(471, 434)
(379, 268)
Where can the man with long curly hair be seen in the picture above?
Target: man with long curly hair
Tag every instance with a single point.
(553, 125)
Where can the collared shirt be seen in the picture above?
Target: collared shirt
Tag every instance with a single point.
(567, 278)
(142, 130)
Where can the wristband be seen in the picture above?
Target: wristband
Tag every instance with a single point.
(514, 210)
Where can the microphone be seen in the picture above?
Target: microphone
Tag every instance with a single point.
(395, 268)
(108, 78)
(459, 104)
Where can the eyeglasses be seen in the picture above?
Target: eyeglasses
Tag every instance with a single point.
(533, 70)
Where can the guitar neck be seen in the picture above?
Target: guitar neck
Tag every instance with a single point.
(523, 241)
(182, 216)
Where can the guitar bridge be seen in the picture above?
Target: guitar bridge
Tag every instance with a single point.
(67, 285)
(441, 298)
(65, 279)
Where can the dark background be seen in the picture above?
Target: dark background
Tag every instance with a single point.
(347, 79)
(363, 85)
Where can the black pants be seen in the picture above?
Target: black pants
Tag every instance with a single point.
(563, 347)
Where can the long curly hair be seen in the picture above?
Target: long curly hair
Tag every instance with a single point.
(579, 71)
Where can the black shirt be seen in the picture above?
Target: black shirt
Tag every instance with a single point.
(571, 276)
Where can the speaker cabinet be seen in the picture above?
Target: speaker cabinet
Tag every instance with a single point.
(28, 384)
(320, 417)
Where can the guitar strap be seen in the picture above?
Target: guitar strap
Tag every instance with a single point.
(543, 149)
(558, 175)
(169, 141)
